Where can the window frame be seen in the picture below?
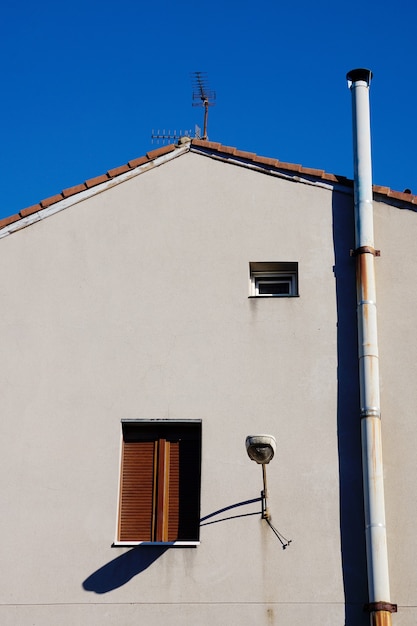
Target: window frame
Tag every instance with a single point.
(262, 273)
(161, 426)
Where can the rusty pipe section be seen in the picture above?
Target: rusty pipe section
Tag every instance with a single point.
(379, 606)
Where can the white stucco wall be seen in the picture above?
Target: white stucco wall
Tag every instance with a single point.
(134, 304)
(395, 230)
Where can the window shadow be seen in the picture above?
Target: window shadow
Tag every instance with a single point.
(352, 519)
(120, 570)
(204, 522)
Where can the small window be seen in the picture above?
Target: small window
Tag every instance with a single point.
(159, 493)
(273, 279)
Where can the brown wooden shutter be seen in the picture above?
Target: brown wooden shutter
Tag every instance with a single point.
(160, 482)
(136, 509)
(174, 491)
(162, 490)
(167, 499)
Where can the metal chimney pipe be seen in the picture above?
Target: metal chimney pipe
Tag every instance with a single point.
(379, 606)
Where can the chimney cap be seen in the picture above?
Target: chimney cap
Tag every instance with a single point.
(360, 73)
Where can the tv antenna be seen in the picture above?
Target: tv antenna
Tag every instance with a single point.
(167, 135)
(203, 96)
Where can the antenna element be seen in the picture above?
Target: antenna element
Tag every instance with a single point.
(168, 135)
(202, 96)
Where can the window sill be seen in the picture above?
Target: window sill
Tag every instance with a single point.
(167, 544)
(295, 295)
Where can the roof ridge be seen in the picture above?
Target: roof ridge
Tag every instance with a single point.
(209, 147)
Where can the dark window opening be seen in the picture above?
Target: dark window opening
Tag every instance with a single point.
(160, 472)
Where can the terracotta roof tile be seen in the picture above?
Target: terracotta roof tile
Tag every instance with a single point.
(118, 170)
(92, 182)
(330, 177)
(379, 189)
(245, 155)
(312, 172)
(228, 150)
(215, 147)
(73, 190)
(9, 220)
(30, 210)
(289, 166)
(137, 162)
(266, 161)
(48, 201)
(399, 195)
(154, 154)
(211, 145)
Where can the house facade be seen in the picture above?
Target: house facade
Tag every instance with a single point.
(152, 319)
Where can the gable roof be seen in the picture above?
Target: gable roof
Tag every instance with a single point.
(267, 165)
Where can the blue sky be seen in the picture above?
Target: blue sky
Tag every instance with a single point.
(84, 83)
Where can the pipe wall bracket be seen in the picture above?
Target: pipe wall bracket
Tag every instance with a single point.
(365, 250)
(372, 607)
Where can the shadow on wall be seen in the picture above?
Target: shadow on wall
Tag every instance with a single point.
(204, 522)
(352, 520)
(119, 571)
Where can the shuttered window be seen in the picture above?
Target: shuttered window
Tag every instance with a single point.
(159, 497)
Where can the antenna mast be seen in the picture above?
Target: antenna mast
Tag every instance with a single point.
(202, 96)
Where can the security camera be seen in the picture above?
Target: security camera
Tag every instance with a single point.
(261, 448)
